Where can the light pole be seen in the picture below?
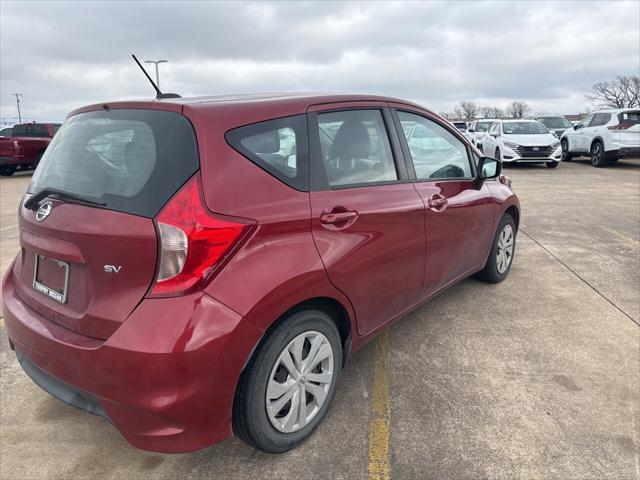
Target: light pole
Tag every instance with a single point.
(156, 62)
(18, 95)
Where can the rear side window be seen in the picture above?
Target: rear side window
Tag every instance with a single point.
(629, 118)
(132, 160)
(279, 146)
(600, 119)
(355, 147)
(30, 130)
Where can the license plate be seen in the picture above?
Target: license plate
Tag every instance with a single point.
(51, 278)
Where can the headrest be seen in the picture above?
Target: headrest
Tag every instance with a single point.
(267, 142)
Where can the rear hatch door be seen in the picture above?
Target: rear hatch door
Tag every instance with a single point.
(87, 266)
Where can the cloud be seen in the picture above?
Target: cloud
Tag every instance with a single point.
(62, 55)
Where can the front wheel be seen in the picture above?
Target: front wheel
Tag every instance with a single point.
(502, 249)
(566, 155)
(287, 387)
(552, 164)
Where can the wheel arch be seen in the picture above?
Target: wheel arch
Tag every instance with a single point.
(515, 214)
(597, 139)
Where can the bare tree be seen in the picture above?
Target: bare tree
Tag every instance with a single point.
(491, 112)
(446, 115)
(621, 92)
(466, 109)
(518, 109)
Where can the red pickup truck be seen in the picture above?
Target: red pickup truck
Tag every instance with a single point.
(22, 146)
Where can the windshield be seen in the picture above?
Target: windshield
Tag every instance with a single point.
(523, 128)
(483, 126)
(555, 122)
(131, 160)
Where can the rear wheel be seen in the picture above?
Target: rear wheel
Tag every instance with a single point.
(7, 170)
(502, 249)
(288, 385)
(552, 164)
(566, 155)
(597, 155)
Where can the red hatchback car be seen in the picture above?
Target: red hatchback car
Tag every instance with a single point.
(193, 267)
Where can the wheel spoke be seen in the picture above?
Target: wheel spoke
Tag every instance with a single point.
(324, 377)
(323, 352)
(277, 405)
(302, 406)
(289, 364)
(276, 389)
(298, 345)
(292, 416)
(315, 345)
(318, 393)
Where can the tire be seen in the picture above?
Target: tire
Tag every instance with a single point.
(598, 156)
(566, 155)
(7, 170)
(494, 271)
(552, 164)
(266, 429)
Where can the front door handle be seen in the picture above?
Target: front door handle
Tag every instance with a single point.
(338, 220)
(437, 202)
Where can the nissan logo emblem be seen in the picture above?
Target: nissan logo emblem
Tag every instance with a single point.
(43, 211)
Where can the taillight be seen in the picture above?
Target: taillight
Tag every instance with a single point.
(620, 126)
(193, 242)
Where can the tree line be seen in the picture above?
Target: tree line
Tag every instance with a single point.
(621, 92)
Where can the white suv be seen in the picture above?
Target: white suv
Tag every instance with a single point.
(606, 135)
(478, 130)
(522, 141)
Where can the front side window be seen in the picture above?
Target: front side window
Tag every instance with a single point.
(355, 147)
(278, 146)
(494, 129)
(483, 126)
(438, 154)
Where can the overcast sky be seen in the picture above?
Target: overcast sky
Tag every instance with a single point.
(61, 55)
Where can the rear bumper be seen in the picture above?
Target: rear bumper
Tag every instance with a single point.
(628, 152)
(166, 378)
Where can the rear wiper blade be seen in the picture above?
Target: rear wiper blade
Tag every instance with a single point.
(34, 200)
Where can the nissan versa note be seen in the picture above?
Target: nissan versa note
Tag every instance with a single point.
(193, 267)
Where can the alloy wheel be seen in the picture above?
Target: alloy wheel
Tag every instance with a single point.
(505, 249)
(299, 382)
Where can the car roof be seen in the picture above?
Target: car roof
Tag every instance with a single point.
(511, 120)
(299, 100)
(615, 110)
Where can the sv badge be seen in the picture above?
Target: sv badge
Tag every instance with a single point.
(112, 268)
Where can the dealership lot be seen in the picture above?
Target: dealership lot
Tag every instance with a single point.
(535, 377)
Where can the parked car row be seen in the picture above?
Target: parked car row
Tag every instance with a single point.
(605, 136)
(23, 145)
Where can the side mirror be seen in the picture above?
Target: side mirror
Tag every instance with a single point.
(471, 130)
(494, 134)
(575, 127)
(488, 168)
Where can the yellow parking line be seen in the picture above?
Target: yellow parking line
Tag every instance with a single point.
(379, 428)
(621, 235)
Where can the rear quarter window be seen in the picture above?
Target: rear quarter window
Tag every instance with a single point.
(278, 146)
(131, 160)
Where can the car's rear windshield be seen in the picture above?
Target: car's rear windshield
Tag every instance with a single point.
(133, 161)
(460, 125)
(555, 122)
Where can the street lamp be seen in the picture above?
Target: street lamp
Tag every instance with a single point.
(156, 62)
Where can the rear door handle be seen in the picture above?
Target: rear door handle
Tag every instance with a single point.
(437, 202)
(338, 220)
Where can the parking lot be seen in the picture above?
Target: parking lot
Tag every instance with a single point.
(536, 377)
